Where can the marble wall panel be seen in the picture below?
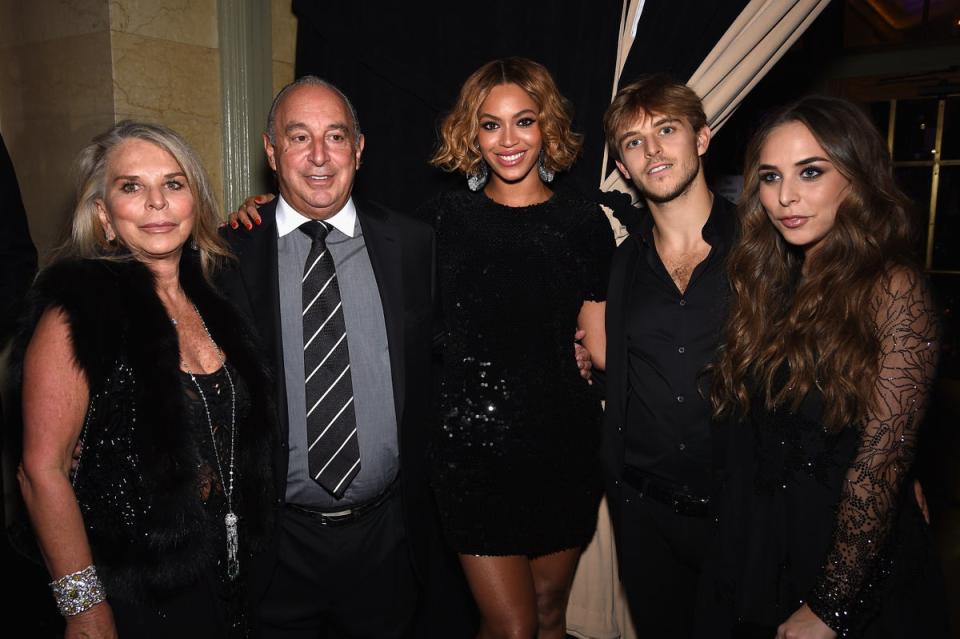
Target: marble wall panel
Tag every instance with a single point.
(183, 21)
(175, 84)
(284, 33)
(282, 75)
(44, 20)
(55, 95)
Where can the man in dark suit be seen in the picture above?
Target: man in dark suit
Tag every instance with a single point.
(665, 308)
(356, 526)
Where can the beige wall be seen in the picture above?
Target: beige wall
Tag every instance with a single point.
(55, 94)
(284, 42)
(166, 68)
(71, 68)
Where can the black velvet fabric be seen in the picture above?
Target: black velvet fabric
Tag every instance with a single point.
(515, 465)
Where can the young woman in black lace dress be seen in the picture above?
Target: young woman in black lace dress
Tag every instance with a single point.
(830, 352)
(521, 268)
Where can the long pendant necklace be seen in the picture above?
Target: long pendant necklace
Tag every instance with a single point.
(230, 520)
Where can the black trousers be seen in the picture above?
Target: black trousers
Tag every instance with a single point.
(353, 581)
(660, 556)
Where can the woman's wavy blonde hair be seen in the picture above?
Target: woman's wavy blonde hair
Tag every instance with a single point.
(790, 332)
(458, 133)
(87, 237)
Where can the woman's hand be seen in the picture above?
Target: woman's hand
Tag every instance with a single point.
(582, 355)
(803, 624)
(247, 214)
(95, 623)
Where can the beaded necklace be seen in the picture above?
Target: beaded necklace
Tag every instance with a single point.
(230, 520)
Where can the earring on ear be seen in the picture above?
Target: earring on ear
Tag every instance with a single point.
(478, 177)
(110, 235)
(193, 244)
(545, 174)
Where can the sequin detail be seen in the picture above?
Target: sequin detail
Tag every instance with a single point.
(515, 464)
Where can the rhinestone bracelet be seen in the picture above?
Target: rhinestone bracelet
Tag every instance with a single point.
(77, 591)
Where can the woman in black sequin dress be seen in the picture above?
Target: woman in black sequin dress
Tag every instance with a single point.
(147, 428)
(521, 268)
(825, 374)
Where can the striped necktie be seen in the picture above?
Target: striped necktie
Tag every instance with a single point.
(333, 450)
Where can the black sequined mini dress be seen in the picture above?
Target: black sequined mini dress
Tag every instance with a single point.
(515, 458)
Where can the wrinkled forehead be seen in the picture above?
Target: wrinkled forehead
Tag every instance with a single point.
(316, 104)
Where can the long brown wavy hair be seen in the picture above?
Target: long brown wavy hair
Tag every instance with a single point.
(817, 327)
(458, 132)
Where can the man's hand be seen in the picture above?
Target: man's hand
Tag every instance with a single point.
(582, 355)
(247, 214)
(803, 624)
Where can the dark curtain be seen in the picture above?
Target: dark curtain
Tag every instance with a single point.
(17, 253)
(402, 65)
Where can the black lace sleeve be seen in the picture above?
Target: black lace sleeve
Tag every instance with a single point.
(908, 331)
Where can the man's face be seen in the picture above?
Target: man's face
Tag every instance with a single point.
(315, 155)
(661, 155)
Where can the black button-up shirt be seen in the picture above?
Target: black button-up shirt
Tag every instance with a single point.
(671, 336)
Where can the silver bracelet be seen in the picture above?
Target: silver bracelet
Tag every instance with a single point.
(77, 591)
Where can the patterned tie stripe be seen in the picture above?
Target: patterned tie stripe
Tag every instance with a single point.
(333, 453)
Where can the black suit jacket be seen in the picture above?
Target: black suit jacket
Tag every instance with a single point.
(622, 267)
(402, 255)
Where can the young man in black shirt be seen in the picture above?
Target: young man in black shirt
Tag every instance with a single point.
(665, 311)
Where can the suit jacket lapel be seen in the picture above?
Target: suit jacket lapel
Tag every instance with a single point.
(259, 269)
(386, 258)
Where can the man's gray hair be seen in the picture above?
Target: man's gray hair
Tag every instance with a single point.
(311, 81)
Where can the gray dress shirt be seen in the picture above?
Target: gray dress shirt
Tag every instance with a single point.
(369, 358)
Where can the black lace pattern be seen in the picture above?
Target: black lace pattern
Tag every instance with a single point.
(908, 331)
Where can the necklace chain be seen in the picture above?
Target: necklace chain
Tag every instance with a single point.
(230, 520)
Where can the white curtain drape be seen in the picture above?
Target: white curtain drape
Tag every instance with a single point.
(756, 40)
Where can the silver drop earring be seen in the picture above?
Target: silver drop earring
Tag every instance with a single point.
(478, 177)
(545, 174)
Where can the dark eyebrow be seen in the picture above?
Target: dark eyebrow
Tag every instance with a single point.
(336, 126)
(625, 135)
(811, 160)
(516, 115)
(665, 120)
(137, 177)
(660, 122)
(766, 167)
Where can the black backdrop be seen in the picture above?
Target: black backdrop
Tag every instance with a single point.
(402, 66)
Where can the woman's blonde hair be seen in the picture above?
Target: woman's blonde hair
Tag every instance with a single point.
(87, 237)
(458, 132)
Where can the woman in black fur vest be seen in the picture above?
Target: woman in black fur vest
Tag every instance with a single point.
(148, 431)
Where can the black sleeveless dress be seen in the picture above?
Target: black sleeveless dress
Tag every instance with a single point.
(213, 606)
(515, 461)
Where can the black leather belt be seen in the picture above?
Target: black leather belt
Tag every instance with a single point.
(344, 515)
(681, 501)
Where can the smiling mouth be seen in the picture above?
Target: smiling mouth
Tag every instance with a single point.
(659, 169)
(318, 178)
(511, 159)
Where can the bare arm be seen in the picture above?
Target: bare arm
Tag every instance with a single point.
(55, 396)
(591, 322)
